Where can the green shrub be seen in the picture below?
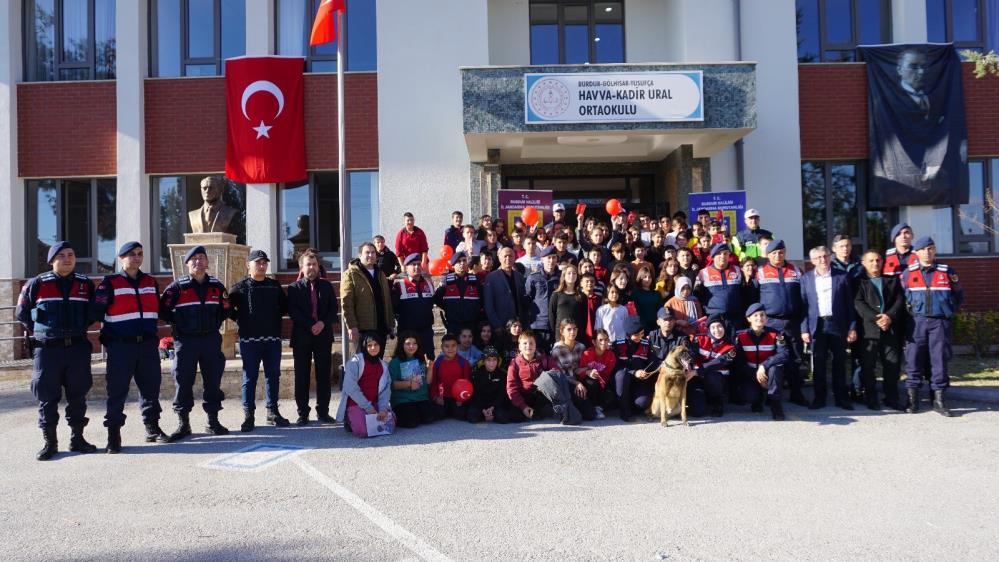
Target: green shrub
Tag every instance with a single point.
(980, 330)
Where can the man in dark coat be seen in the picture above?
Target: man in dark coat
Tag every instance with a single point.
(312, 308)
(881, 307)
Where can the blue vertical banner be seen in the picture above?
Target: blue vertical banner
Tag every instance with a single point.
(732, 204)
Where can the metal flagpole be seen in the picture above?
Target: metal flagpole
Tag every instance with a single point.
(342, 174)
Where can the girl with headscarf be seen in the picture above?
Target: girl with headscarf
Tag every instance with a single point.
(685, 306)
(367, 384)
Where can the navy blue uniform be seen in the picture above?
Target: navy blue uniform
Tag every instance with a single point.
(196, 311)
(413, 302)
(56, 310)
(933, 295)
(129, 309)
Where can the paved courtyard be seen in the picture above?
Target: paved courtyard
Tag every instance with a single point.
(826, 485)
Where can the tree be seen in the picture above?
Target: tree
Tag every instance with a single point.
(985, 64)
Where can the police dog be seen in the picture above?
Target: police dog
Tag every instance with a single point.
(671, 386)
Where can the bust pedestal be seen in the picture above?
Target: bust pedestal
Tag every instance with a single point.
(226, 262)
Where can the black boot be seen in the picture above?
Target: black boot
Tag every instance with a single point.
(78, 444)
(51, 446)
(248, 421)
(114, 440)
(756, 407)
(183, 427)
(913, 406)
(777, 410)
(938, 404)
(214, 427)
(325, 418)
(798, 399)
(275, 418)
(154, 434)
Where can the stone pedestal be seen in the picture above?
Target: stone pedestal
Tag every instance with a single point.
(226, 262)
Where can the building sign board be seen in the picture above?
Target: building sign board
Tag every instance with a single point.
(732, 204)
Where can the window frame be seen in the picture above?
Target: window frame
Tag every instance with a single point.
(30, 243)
(311, 7)
(824, 45)
(332, 256)
(988, 217)
(979, 22)
(861, 208)
(58, 64)
(185, 37)
(591, 33)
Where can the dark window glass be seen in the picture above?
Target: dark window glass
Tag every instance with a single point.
(193, 37)
(972, 215)
(544, 44)
(813, 202)
(844, 199)
(175, 197)
(296, 231)
(833, 202)
(363, 206)
(830, 30)
(807, 16)
(936, 21)
(839, 21)
(68, 39)
(172, 216)
(610, 42)
(965, 17)
(327, 213)
(576, 32)
(362, 45)
(78, 210)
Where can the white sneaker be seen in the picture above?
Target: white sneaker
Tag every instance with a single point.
(600, 413)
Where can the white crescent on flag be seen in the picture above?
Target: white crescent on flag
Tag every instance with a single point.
(270, 88)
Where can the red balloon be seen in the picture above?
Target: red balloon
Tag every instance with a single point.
(530, 216)
(613, 207)
(447, 252)
(438, 267)
(462, 390)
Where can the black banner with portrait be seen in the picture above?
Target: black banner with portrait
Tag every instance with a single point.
(916, 124)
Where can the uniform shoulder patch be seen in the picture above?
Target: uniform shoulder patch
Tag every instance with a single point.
(953, 277)
(731, 354)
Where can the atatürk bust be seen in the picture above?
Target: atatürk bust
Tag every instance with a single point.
(213, 215)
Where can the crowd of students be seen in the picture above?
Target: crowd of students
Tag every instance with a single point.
(599, 305)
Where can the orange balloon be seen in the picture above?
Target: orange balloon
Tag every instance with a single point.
(530, 216)
(447, 252)
(613, 207)
(438, 267)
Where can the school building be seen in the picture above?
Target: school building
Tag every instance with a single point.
(112, 111)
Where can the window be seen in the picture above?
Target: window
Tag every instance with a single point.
(834, 201)
(975, 223)
(294, 25)
(176, 196)
(81, 211)
(576, 32)
(69, 40)
(194, 37)
(636, 193)
(969, 24)
(319, 199)
(830, 30)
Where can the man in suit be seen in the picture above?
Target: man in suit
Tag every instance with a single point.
(881, 308)
(503, 292)
(830, 324)
(312, 308)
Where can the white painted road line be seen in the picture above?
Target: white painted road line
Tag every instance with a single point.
(409, 540)
(254, 458)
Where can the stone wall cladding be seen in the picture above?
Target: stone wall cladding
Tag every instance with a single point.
(494, 98)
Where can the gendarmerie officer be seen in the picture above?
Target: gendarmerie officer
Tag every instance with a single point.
(258, 304)
(458, 296)
(196, 305)
(128, 303)
(933, 294)
(413, 302)
(55, 309)
(762, 356)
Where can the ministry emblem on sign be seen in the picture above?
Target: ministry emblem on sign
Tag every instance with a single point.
(549, 98)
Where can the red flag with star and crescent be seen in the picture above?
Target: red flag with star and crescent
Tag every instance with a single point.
(324, 28)
(266, 119)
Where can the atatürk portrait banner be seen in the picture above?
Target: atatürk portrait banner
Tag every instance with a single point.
(917, 132)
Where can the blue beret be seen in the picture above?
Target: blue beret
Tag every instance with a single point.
(754, 308)
(895, 230)
(633, 325)
(454, 259)
(775, 245)
(415, 256)
(257, 255)
(548, 251)
(193, 252)
(665, 313)
(721, 247)
(128, 247)
(58, 247)
(923, 242)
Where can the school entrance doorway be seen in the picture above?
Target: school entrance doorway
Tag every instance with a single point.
(636, 192)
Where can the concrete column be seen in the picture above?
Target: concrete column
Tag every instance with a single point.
(12, 209)
(261, 198)
(773, 151)
(134, 205)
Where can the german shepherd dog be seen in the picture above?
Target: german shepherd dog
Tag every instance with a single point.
(671, 386)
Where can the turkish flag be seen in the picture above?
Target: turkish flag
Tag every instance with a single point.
(264, 99)
(323, 29)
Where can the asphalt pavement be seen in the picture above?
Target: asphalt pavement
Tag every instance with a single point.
(824, 485)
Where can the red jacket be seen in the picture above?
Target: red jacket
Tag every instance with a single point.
(406, 243)
(521, 374)
(604, 365)
(446, 372)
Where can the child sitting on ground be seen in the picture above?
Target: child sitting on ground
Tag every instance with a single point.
(527, 366)
(446, 369)
(489, 400)
(466, 347)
